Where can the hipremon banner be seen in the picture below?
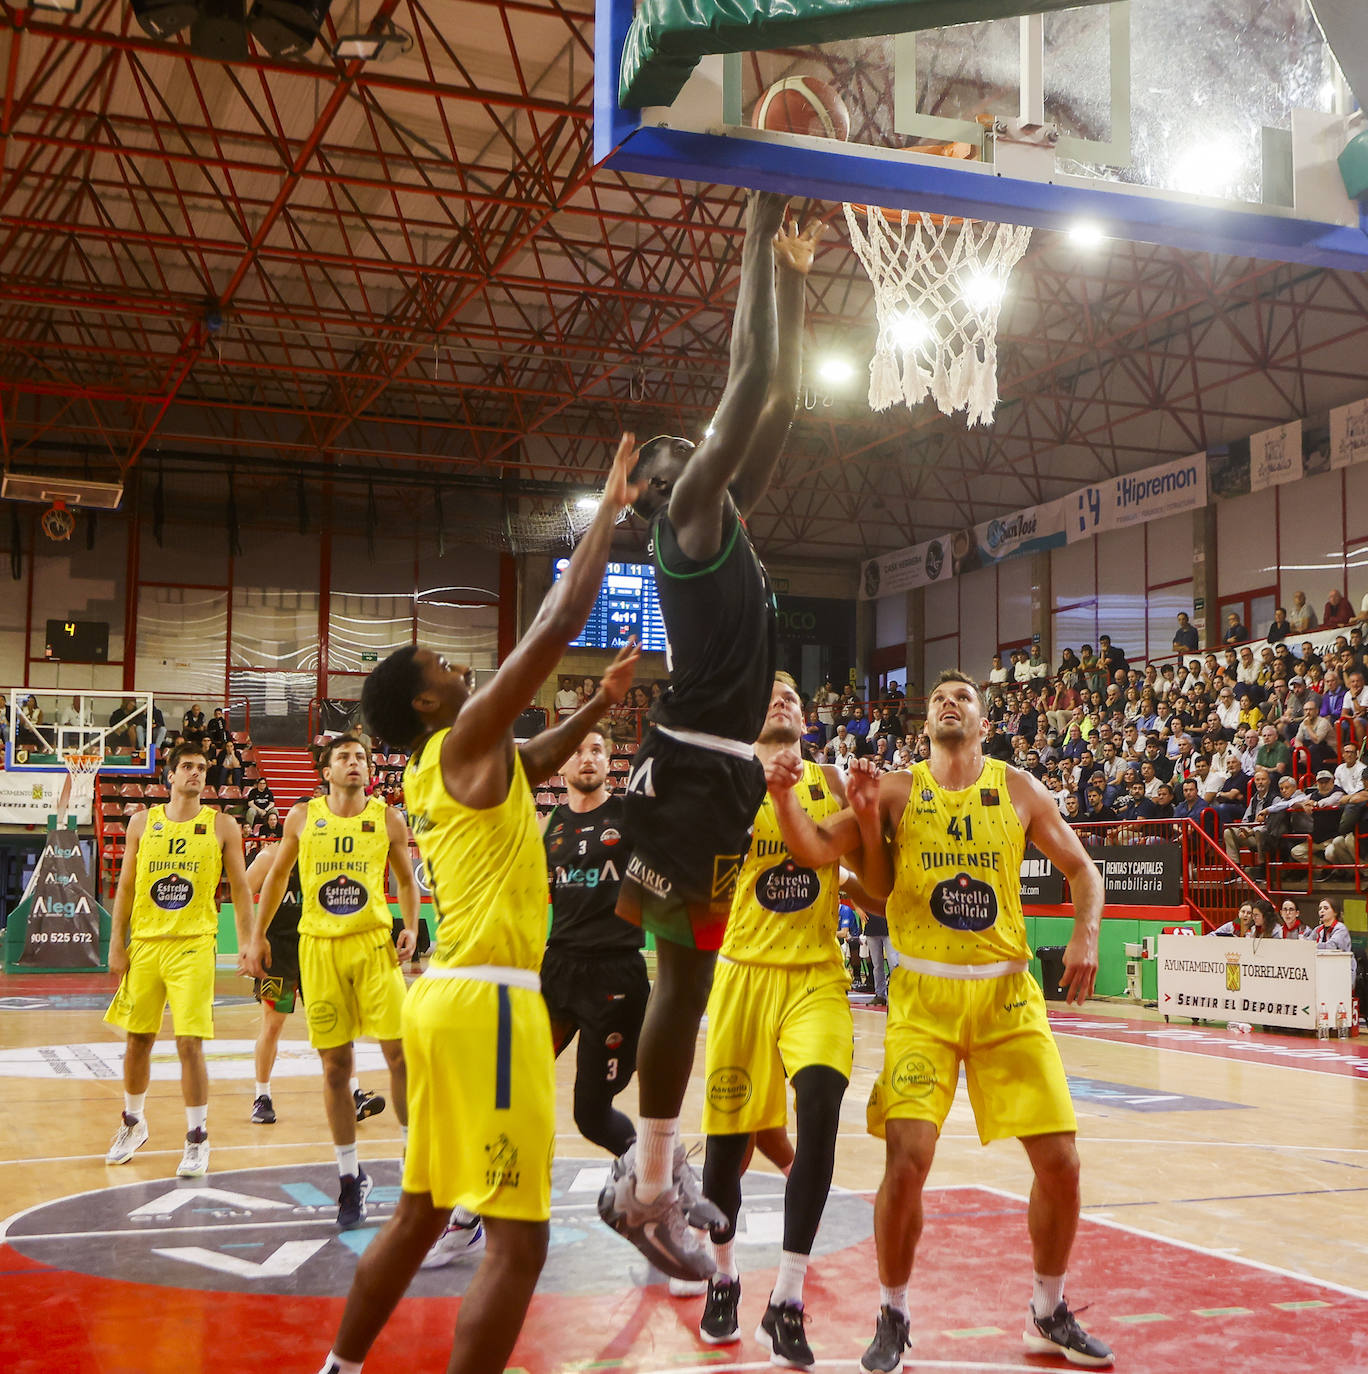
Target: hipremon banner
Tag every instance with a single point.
(1139, 497)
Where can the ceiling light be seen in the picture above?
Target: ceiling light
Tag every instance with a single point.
(391, 41)
(835, 370)
(908, 331)
(1206, 170)
(288, 28)
(983, 291)
(587, 503)
(1086, 234)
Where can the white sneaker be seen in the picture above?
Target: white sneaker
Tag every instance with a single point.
(195, 1158)
(454, 1244)
(131, 1135)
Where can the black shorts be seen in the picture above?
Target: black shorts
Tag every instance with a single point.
(280, 988)
(688, 814)
(604, 1000)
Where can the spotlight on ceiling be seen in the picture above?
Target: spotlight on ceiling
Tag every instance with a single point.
(1086, 234)
(835, 370)
(288, 28)
(219, 30)
(391, 41)
(164, 18)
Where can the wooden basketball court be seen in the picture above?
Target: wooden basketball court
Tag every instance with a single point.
(1224, 1187)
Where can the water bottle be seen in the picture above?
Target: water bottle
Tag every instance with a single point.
(1323, 1023)
(1342, 1023)
(1239, 1027)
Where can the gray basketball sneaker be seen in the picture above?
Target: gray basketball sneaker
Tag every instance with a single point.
(659, 1229)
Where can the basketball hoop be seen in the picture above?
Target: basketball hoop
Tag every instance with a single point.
(81, 765)
(57, 521)
(939, 283)
(81, 768)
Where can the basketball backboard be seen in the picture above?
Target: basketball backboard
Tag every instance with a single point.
(1208, 125)
(42, 727)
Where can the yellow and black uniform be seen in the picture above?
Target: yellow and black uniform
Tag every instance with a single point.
(961, 992)
(346, 955)
(477, 1039)
(778, 1000)
(173, 930)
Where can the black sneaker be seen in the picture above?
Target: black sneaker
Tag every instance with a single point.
(367, 1104)
(781, 1329)
(262, 1111)
(1060, 1334)
(719, 1324)
(891, 1338)
(351, 1199)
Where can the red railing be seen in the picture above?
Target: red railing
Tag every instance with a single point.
(1214, 887)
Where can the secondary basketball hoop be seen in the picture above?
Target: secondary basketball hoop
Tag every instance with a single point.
(57, 521)
(939, 283)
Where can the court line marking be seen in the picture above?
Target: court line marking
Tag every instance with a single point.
(1225, 1058)
(1193, 1246)
(908, 1362)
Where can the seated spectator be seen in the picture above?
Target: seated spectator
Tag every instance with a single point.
(217, 728)
(1245, 832)
(814, 735)
(1240, 926)
(192, 722)
(996, 745)
(1236, 631)
(1227, 711)
(1281, 626)
(1272, 753)
(1290, 920)
(1355, 708)
(1162, 804)
(1332, 695)
(1301, 617)
(1351, 778)
(566, 700)
(126, 731)
(1191, 806)
(1322, 807)
(1315, 736)
(859, 729)
(1264, 923)
(997, 675)
(1284, 817)
(1185, 636)
(1332, 935)
(267, 826)
(1337, 612)
(1098, 810)
(260, 802)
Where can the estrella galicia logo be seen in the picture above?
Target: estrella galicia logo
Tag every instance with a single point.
(787, 887)
(964, 903)
(935, 560)
(342, 896)
(173, 892)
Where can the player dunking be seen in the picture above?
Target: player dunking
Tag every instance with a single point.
(778, 1011)
(695, 784)
(165, 908)
(944, 843)
(593, 977)
(476, 1034)
(348, 962)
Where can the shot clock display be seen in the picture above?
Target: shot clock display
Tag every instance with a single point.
(627, 605)
(77, 641)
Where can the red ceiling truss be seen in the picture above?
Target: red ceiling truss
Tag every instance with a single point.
(414, 267)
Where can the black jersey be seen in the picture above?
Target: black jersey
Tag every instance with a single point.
(585, 856)
(720, 627)
(285, 923)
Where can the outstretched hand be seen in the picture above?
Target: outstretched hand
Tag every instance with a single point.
(795, 249)
(618, 492)
(862, 788)
(783, 771)
(1080, 969)
(617, 678)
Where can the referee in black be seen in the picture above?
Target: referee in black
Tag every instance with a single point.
(593, 976)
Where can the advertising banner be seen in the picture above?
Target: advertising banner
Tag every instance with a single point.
(1132, 874)
(58, 919)
(1041, 882)
(1275, 456)
(30, 798)
(1138, 497)
(1032, 530)
(1349, 434)
(904, 569)
(1267, 982)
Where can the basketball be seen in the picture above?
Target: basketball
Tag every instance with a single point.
(803, 105)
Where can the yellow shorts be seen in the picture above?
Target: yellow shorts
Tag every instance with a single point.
(998, 1029)
(179, 971)
(355, 987)
(764, 1024)
(481, 1097)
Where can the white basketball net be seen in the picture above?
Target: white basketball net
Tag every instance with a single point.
(938, 292)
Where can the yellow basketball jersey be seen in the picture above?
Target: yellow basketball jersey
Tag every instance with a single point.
(179, 864)
(486, 868)
(957, 877)
(783, 913)
(342, 871)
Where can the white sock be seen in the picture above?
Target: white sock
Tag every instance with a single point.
(335, 1364)
(403, 1134)
(1046, 1294)
(460, 1217)
(896, 1298)
(788, 1284)
(133, 1104)
(656, 1138)
(347, 1162)
(724, 1259)
(263, 1090)
(355, 1086)
(197, 1118)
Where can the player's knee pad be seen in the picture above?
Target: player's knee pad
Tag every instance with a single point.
(817, 1092)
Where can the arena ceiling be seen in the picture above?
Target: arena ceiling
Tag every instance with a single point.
(411, 270)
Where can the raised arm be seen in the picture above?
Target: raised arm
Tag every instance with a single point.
(696, 503)
(1050, 833)
(486, 718)
(405, 884)
(543, 754)
(794, 253)
(812, 843)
